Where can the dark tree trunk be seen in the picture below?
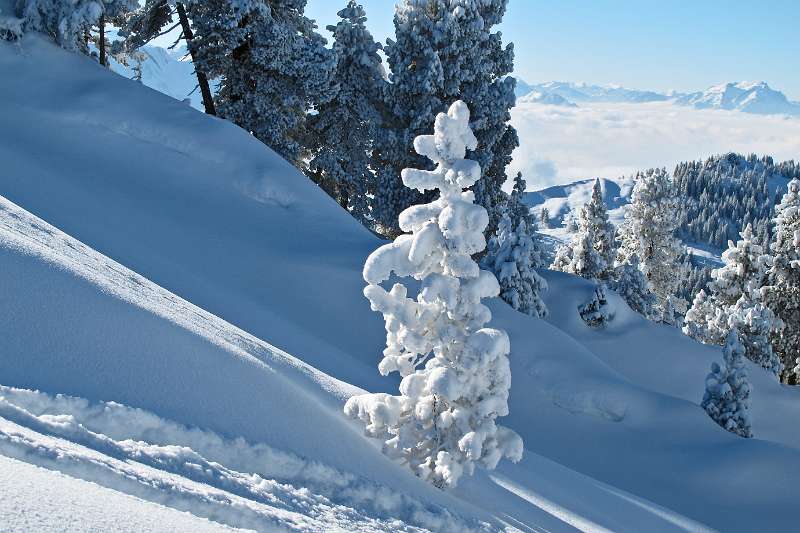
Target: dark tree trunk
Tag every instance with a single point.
(202, 80)
(102, 44)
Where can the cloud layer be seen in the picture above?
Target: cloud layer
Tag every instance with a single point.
(560, 145)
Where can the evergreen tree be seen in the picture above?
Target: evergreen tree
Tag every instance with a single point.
(591, 253)
(345, 126)
(727, 396)
(70, 23)
(445, 51)
(510, 256)
(734, 302)
(455, 373)
(782, 292)
(743, 270)
(631, 284)
(597, 221)
(273, 67)
(648, 231)
(700, 319)
(755, 324)
(595, 312)
(544, 217)
(149, 22)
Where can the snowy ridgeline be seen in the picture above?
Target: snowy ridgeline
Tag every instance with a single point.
(747, 97)
(206, 406)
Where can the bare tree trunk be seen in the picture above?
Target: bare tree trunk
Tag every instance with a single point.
(102, 44)
(202, 81)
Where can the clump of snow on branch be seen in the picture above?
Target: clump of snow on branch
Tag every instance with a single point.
(456, 373)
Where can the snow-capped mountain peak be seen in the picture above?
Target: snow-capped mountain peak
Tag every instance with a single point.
(539, 97)
(750, 97)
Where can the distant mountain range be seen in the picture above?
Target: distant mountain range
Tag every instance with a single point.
(538, 97)
(582, 92)
(747, 97)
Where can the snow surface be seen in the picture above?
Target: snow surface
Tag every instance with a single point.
(37, 499)
(200, 306)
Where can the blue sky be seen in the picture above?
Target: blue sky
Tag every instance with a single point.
(685, 45)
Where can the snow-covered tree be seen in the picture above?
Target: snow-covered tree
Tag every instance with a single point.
(727, 396)
(344, 128)
(10, 27)
(272, 63)
(596, 312)
(584, 260)
(755, 324)
(598, 224)
(631, 284)
(544, 217)
(455, 373)
(782, 292)
(735, 301)
(742, 273)
(71, 22)
(700, 319)
(649, 232)
(445, 50)
(150, 21)
(673, 311)
(511, 257)
(591, 252)
(569, 223)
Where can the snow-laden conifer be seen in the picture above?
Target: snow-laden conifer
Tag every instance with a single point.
(591, 252)
(699, 320)
(755, 324)
(599, 225)
(631, 284)
(151, 20)
(272, 64)
(71, 22)
(595, 312)
(782, 292)
(735, 301)
(455, 373)
(727, 396)
(443, 51)
(345, 127)
(742, 273)
(511, 257)
(649, 232)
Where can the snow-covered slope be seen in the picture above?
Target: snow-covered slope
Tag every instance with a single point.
(748, 97)
(166, 261)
